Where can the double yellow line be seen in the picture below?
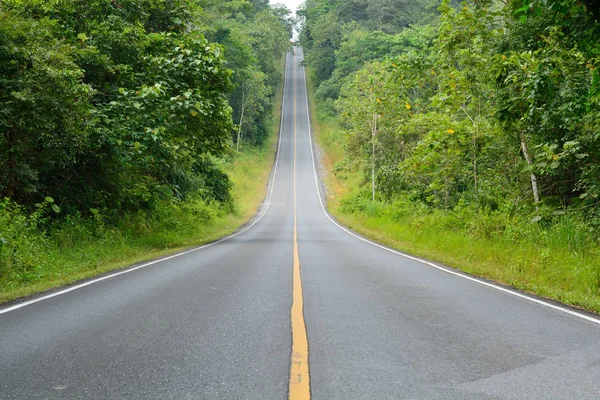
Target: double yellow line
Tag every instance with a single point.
(299, 386)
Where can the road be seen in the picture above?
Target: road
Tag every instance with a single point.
(291, 307)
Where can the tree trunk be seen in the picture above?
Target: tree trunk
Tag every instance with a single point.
(534, 186)
(474, 147)
(239, 135)
(374, 134)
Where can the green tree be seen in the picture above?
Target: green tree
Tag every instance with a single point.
(44, 108)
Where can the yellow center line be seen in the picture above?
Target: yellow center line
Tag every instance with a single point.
(299, 388)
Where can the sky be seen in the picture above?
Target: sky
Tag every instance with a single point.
(292, 4)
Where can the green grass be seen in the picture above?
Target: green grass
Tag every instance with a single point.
(560, 261)
(80, 249)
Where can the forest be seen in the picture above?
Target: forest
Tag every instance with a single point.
(120, 119)
(475, 128)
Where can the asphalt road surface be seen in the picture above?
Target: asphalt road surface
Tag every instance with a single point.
(232, 320)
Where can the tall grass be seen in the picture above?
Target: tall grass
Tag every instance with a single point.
(36, 253)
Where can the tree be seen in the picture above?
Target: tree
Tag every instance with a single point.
(254, 91)
(43, 107)
(367, 104)
(124, 105)
(324, 38)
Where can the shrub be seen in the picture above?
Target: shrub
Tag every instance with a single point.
(23, 246)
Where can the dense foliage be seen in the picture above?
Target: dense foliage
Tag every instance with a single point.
(489, 105)
(120, 109)
(116, 105)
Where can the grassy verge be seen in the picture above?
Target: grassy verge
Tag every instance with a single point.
(560, 261)
(81, 249)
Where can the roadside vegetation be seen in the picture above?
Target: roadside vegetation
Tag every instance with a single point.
(466, 133)
(131, 129)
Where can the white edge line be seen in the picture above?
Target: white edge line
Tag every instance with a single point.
(470, 278)
(265, 209)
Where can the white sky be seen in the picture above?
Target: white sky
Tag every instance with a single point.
(292, 4)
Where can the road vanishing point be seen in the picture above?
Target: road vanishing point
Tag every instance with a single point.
(294, 306)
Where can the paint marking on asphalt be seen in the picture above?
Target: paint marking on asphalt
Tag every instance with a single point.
(446, 270)
(299, 387)
(93, 281)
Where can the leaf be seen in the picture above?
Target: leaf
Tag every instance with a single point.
(536, 219)
(570, 144)
(522, 9)
(82, 36)
(49, 199)
(55, 208)
(193, 113)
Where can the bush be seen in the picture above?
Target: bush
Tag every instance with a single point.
(23, 246)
